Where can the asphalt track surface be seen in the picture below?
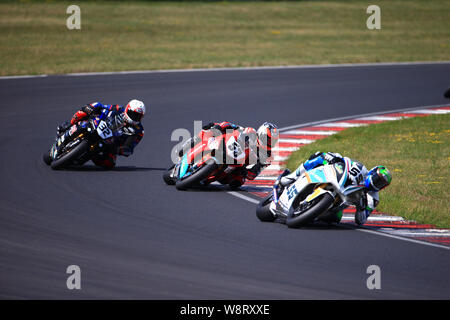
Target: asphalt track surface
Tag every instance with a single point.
(134, 237)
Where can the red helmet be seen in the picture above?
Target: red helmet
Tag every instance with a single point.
(134, 112)
(267, 136)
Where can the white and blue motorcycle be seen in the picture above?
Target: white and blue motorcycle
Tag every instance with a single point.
(318, 194)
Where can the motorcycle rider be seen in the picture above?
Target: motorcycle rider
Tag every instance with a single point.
(128, 121)
(256, 144)
(374, 180)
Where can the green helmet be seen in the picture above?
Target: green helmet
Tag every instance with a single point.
(379, 177)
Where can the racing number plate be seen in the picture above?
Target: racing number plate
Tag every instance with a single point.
(234, 149)
(103, 131)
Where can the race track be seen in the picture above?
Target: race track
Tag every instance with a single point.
(135, 237)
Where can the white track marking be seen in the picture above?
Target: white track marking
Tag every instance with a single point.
(291, 149)
(24, 77)
(381, 118)
(310, 132)
(280, 158)
(297, 141)
(341, 124)
(267, 178)
(351, 217)
(428, 233)
(384, 234)
(442, 111)
(314, 66)
(274, 167)
(239, 195)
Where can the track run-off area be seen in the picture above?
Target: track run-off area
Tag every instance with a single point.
(135, 237)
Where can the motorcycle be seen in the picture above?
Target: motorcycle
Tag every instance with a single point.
(316, 196)
(84, 140)
(212, 159)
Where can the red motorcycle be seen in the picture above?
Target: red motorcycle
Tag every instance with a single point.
(214, 158)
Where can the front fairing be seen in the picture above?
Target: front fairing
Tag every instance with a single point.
(332, 178)
(101, 130)
(183, 167)
(107, 127)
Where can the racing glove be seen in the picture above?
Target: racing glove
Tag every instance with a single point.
(90, 107)
(315, 155)
(60, 129)
(331, 157)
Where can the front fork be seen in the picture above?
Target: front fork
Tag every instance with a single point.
(65, 139)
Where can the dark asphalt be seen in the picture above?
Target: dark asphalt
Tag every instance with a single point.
(135, 237)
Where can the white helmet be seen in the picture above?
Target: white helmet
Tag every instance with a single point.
(134, 112)
(267, 136)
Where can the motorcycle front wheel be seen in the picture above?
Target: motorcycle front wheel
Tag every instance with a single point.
(167, 176)
(263, 209)
(195, 178)
(70, 156)
(294, 220)
(47, 159)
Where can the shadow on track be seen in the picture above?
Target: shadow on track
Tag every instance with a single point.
(115, 169)
(210, 188)
(320, 225)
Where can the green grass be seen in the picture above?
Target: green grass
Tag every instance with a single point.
(160, 35)
(417, 152)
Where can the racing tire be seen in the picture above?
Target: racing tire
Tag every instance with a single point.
(263, 209)
(167, 178)
(447, 93)
(195, 178)
(73, 154)
(47, 159)
(309, 215)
